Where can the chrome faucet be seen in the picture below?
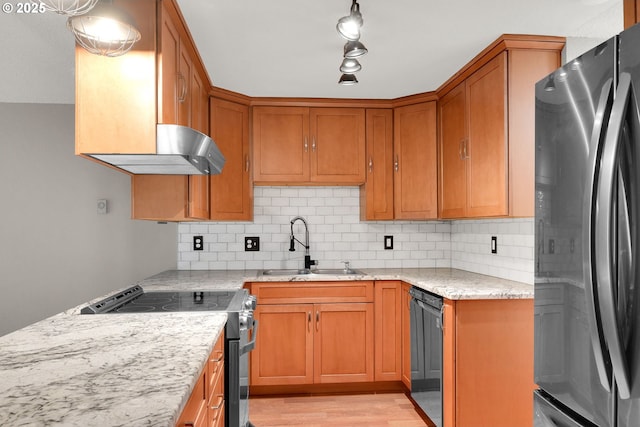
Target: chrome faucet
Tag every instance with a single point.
(308, 262)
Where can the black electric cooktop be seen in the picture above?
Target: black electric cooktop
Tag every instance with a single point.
(135, 300)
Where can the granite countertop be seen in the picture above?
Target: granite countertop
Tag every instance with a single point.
(139, 369)
(446, 282)
(106, 370)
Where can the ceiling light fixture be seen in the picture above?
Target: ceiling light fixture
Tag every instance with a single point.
(67, 7)
(348, 79)
(105, 30)
(350, 66)
(349, 26)
(354, 49)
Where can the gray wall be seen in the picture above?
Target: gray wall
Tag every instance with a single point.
(56, 251)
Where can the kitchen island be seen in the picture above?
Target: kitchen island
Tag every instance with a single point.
(140, 369)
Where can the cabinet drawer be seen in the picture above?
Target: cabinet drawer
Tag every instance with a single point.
(313, 292)
(216, 398)
(216, 362)
(195, 411)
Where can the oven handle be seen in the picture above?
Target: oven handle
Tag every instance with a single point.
(251, 344)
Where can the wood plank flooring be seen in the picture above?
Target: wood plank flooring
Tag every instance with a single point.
(371, 410)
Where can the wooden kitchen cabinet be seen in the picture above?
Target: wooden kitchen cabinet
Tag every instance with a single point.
(376, 195)
(231, 192)
(415, 182)
(388, 330)
(313, 333)
(205, 407)
(119, 102)
(183, 100)
(486, 121)
(488, 347)
(300, 145)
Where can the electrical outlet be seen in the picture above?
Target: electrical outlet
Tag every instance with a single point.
(494, 244)
(198, 243)
(251, 244)
(388, 242)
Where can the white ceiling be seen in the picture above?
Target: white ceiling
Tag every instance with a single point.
(291, 48)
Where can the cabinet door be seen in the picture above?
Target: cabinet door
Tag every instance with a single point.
(453, 140)
(415, 162)
(199, 103)
(343, 343)
(487, 180)
(337, 145)
(281, 144)
(284, 347)
(388, 331)
(376, 195)
(406, 335)
(198, 207)
(494, 353)
(231, 190)
(185, 71)
(168, 69)
(149, 197)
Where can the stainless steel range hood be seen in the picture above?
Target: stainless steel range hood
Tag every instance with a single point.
(180, 150)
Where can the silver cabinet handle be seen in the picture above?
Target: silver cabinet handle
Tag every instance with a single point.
(306, 144)
(370, 164)
(396, 164)
(309, 322)
(246, 163)
(313, 144)
(461, 149)
(317, 320)
(595, 327)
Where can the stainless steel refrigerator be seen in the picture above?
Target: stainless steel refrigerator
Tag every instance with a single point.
(587, 232)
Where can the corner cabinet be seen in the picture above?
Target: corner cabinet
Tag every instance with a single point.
(486, 142)
(306, 146)
(231, 190)
(313, 333)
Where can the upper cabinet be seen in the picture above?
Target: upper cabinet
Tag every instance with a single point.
(376, 195)
(415, 162)
(119, 102)
(300, 145)
(232, 189)
(486, 140)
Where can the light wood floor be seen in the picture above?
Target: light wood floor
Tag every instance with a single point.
(371, 410)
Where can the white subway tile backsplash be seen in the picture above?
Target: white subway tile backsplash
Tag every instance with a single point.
(336, 234)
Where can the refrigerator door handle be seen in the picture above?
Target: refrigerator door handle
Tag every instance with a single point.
(595, 326)
(605, 235)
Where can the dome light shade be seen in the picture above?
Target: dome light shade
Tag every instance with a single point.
(354, 49)
(350, 66)
(349, 26)
(348, 79)
(105, 30)
(68, 7)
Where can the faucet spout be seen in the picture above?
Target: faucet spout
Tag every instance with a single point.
(308, 262)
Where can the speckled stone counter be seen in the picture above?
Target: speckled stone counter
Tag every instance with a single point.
(446, 282)
(104, 370)
(139, 369)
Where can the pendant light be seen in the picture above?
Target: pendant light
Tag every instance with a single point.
(349, 26)
(348, 79)
(350, 66)
(68, 7)
(354, 49)
(105, 30)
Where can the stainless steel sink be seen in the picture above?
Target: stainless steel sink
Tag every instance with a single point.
(316, 272)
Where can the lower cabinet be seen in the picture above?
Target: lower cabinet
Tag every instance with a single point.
(313, 333)
(488, 363)
(205, 407)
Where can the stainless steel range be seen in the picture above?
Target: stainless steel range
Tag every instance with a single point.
(240, 332)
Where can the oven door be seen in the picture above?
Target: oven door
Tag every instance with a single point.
(238, 376)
